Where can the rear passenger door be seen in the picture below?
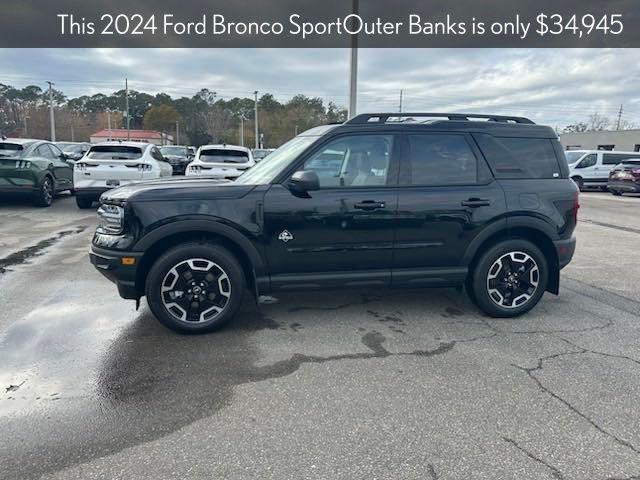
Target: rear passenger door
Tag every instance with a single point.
(447, 196)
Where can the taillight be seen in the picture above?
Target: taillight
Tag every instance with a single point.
(576, 206)
(145, 167)
(635, 172)
(80, 166)
(195, 168)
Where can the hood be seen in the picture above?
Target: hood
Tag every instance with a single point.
(174, 189)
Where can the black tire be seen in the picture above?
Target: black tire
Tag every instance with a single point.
(84, 202)
(579, 183)
(617, 193)
(173, 266)
(503, 300)
(45, 193)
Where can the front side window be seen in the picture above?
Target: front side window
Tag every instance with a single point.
(352, 161)
(588, 161)
(437, 159)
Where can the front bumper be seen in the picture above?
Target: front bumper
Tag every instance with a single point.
(565, 250)
(109, 263)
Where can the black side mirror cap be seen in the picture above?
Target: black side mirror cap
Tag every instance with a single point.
(304, 181)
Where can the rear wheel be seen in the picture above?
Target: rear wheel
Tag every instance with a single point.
(509, 278)
(83, 202)
(195, 287)
(44, 195)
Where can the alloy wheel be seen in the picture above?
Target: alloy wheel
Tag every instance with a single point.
(196, 290)
(513, 279)
(47, 191)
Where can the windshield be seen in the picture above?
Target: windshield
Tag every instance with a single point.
(173, 151)
(115, 152)
(10, 149)
(268, 169)
(220, 155)
(573, 157)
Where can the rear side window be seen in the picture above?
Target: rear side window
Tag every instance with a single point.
(219, 155)
(515, 157)
(114, 152)
(439, 160)
(616, 158)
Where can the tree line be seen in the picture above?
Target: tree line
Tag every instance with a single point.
(201, 119)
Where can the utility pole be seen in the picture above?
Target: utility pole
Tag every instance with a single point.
(619, 117)
(353, 70)
(177, 132)
(242, 130)
(73, 137)
(126, 103)
(400, 108)
(295, 131)
(109, 122)
(256, 117)
(26, 117)
(52, 120)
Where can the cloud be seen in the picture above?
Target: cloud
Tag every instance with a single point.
(552, 86)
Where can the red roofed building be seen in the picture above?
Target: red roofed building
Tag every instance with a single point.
(148, 136)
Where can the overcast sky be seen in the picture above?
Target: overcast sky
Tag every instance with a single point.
(551, 86)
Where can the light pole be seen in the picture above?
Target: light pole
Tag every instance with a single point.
(353, 70)
(242, 130)
(256, 117)
(26, 117)
(126, 103)
(52, 120)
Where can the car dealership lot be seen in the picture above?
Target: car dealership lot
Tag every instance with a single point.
(363, 384)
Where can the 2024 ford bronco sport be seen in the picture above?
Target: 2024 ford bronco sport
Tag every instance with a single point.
(482, 202)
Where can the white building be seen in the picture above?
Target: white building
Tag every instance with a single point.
(624, 140)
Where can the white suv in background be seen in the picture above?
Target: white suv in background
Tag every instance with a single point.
(220, 161)
(111, 164)
(590, 168)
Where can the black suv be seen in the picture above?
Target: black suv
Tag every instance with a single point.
(429, 199)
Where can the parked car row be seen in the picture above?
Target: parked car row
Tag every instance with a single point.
(41, 169)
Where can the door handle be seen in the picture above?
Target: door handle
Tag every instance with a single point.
(476, 202)
(369, 205)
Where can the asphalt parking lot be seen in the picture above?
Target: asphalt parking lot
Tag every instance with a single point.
(364, 384)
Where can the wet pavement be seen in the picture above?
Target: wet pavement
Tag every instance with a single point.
(375, 384)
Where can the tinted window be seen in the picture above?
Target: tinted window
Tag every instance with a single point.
(114, 152)
(174, 151)
(219, 155)
(616, 158)
(155, 153)
(520, 157)
(588, 161)
(55, 150)
(354, 161)
(439, 160)
(45, 152)
(10, 149)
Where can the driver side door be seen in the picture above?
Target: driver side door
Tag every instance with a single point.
(342, 234)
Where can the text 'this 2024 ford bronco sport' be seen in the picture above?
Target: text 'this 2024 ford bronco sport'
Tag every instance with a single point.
(479, 201)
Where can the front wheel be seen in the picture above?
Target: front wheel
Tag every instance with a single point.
(195, 287)
(509, 278)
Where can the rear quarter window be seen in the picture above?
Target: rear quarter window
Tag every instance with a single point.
(517, 157)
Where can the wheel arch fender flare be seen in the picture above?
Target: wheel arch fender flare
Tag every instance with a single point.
(214, 227)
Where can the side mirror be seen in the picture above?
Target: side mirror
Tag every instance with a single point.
(304, 181)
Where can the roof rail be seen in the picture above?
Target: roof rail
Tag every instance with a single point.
(366, 118)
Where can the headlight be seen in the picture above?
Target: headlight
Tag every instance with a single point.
(110, 219)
